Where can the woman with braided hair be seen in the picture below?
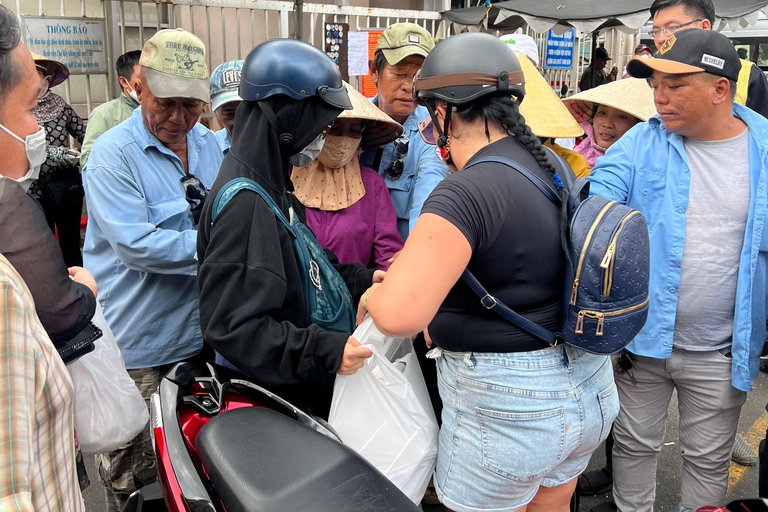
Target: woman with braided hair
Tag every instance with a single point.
(520, 417)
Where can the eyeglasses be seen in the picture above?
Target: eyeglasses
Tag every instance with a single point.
(45, 84)
(195, 194)
(668, 31)
(395, 169)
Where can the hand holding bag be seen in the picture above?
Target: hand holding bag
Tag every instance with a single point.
(383, 412)
(109, 410)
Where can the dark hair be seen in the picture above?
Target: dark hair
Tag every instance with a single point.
(126, 62)
(703, 9)
(10, 37)
(378, 61)
(505, 111)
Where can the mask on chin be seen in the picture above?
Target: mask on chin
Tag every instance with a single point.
(309, 153)
(35, 146)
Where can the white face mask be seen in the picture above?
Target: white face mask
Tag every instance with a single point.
(309, 153)
(35, 146)
(133, 94)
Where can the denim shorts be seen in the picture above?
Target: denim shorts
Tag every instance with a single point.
(514, 422)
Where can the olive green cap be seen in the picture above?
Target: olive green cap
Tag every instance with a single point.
(402, 40)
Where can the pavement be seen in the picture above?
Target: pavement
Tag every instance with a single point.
(742, 481)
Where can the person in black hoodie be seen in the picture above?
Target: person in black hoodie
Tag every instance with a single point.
(252, 305)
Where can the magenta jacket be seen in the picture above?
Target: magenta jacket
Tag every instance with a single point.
(366, 232)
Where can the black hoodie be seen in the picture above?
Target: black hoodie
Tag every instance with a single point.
(252, 307)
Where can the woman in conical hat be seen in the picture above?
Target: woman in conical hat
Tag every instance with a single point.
(59, 188)
(615, 108)
(348, 206)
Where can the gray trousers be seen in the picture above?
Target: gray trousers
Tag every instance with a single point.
(132, 466)
(709, 408)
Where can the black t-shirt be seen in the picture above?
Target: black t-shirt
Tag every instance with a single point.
(514, 233)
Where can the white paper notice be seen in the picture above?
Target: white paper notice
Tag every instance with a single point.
(357, 53)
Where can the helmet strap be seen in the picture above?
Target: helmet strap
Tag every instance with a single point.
(285, 138)
(442, 138)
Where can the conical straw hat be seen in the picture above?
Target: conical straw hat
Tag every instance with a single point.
(53, 68)
(542, 109)
(380, 128)
(630, 95)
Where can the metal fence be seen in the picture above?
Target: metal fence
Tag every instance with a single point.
(231, 28)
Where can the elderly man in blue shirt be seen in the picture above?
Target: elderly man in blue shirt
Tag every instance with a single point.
(698, 171)
(410, 167)
(145, 182)
(225, 82)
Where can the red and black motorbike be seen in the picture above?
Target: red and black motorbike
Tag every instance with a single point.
(224, 443)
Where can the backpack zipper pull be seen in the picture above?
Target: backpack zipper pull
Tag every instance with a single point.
(574, 291)
(580, 323)
(608, 255)
(600, 324)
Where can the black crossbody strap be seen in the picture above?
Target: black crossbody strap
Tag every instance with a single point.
(489, 301)
(540, 184)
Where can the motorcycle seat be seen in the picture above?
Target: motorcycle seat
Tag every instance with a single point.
(259, 460)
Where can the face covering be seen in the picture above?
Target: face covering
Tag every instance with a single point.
(338, 151)
(133, 94)
(309, 153)
(35, 146)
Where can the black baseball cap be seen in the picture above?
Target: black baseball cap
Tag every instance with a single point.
(691, 51)
(602, 53)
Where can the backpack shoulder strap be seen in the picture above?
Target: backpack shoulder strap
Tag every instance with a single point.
(231, 188)
(490, 302)
(540, 184)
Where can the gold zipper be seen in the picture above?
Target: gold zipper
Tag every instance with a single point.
(610, 256)
(591, 232)
(600, 316)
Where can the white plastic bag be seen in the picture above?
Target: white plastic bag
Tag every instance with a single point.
(384, 413)
(109, 410)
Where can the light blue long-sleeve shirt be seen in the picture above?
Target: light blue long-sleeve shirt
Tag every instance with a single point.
(422, 172)
(647, 169)
(141, 239)
(224, 140)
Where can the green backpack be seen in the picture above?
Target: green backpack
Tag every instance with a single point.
(329, 303)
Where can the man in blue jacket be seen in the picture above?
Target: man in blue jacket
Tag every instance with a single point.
(410, 167)
(697, 171)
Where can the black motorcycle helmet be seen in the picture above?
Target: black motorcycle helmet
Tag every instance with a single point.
(466, 67)
(292, 68)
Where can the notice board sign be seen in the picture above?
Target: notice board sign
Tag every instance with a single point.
(78, 43)
(559, 52)
(336, 43)
(367, 86)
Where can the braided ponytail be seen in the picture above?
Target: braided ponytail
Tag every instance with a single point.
(505, 112)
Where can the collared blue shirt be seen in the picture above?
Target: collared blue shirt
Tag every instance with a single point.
(648, 170)
(141, 239)
(224, 140)
(423, 171)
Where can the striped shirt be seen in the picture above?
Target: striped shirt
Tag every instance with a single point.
(37, 445)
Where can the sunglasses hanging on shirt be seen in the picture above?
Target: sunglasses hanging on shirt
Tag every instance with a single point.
(195, 193)
(395, 169)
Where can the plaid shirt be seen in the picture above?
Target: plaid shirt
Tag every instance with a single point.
(37, 445)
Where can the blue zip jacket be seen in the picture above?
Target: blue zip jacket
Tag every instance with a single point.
(648, 170)
(141, 240)
(422, 172)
